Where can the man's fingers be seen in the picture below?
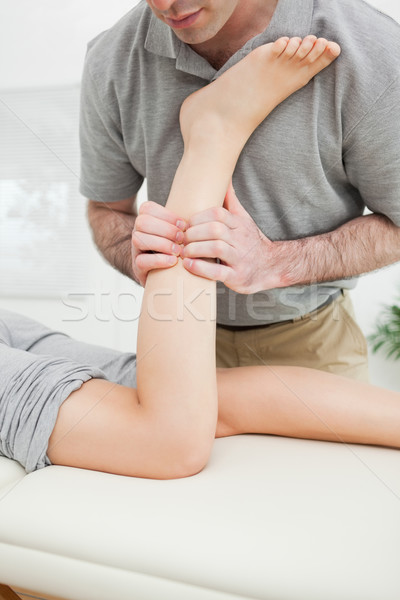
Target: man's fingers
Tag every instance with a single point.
(210, 249)
(232, 202)
(145, 242)
(151, 225)
(160, 212)
(147, 262)
(207, 231)
(213, 214)
(156, 239)
(208, 270)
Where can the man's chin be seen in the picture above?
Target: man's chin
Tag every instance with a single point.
(193, 38)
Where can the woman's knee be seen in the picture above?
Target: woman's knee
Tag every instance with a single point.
(185, 447)
(140, 441)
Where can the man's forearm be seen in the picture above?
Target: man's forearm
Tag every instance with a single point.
(357, 247)
(112, 233)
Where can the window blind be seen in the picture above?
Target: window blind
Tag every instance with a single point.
(44, 236)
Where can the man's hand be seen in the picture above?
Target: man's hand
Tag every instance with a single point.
(156, 240)
(248, 260)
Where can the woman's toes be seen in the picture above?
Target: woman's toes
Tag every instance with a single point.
(279, 46)
(311, 37)
(317, 50)
(292, 47)
(306, 46)
(334, 49)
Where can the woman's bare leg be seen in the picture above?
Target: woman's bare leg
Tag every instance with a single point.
(306, 403)
(167, 428)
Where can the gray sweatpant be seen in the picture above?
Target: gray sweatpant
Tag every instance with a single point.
(39, 369)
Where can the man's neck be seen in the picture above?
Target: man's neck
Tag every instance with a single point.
(250, 18)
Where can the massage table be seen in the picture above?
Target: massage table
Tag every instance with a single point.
(268, 518)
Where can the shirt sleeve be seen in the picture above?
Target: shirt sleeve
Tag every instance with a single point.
(372, 155)
(107, 175)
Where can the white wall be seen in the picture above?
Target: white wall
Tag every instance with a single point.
(45, 40)
(43, 43)
(390, 7)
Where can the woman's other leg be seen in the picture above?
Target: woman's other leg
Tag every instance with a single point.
(306, 403)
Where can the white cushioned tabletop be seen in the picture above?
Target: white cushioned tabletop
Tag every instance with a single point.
(10, 472)
(268, 518)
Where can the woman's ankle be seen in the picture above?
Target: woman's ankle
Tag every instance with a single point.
(200, 129)
(203, 126)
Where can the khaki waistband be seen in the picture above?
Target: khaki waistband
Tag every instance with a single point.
(248, 327)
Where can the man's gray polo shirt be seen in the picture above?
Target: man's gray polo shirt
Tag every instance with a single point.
(321, 157)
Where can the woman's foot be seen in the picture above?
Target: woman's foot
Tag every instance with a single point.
(241, 98)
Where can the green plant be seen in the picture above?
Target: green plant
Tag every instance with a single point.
(386, 337)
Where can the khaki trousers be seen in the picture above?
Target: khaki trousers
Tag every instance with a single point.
(328, 339)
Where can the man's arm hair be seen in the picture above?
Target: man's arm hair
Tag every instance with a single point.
(112, 225)
(360, 246)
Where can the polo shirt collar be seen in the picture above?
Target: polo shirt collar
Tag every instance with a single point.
(291, 18)
(162, 41)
